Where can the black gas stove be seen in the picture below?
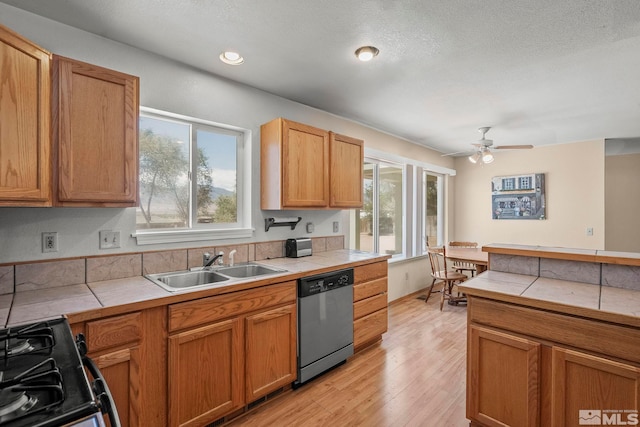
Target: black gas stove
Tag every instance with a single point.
(43, 381)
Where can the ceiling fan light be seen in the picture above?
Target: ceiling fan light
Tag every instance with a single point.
(487, 157)
(474, 158)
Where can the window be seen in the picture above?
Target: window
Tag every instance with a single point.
(525, 182)
(508, 184)
(191, 176)
(403, 206)
(432, 209)
(380, 221)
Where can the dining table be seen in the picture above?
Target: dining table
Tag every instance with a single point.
(470, 255)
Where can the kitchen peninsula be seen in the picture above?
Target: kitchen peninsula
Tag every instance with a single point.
(553, 333)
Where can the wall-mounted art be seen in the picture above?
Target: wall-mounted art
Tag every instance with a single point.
(518, 197)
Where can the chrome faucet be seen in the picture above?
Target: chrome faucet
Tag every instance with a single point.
(208, 259)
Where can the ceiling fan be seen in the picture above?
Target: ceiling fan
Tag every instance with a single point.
(482, 153)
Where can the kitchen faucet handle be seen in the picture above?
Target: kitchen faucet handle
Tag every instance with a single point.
(221, 258)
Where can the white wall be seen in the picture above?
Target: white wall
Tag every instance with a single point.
(170, 86)
(574, 175)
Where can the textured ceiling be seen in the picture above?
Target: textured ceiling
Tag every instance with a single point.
(539, 72)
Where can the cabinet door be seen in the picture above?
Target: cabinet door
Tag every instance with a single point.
(270, 351)
(121, 370)
(25, 143)
(502, 378)
(205, 373)
(95, 115)
(588, 388)
(305, 166)
(346, 162)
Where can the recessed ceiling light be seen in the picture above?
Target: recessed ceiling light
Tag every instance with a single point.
(367, 53)
(231, 58)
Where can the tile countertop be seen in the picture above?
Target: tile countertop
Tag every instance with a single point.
(574, 298)
(83, 302)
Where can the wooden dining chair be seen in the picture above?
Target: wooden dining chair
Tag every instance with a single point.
(464, 266)
(440, 273)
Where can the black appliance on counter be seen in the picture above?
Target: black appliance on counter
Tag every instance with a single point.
(43, 381)
(299, 247)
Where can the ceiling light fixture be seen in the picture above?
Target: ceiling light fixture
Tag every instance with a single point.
(482, 156)
(231, 58)
(487, 157)
(366, 53)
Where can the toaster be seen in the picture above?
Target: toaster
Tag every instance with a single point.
(296, 248)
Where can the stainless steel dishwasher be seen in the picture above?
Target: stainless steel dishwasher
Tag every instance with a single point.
(325, 322)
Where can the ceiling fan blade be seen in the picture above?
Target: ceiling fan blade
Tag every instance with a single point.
(458, 152)
(513, 147)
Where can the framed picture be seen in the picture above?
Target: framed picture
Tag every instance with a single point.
(518, 197)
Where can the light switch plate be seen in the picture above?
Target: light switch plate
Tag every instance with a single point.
(336, 226)
(109, 239)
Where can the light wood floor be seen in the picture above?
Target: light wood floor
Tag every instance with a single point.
(414, 377)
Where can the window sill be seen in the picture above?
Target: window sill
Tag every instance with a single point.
(179, 236)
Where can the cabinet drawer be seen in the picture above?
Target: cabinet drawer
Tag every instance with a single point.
(369, 327)
(369, 289)
(369, 272)
(205, 310)
(613, 340)
(114, 331)
(369, 305)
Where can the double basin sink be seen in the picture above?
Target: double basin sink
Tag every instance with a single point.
(209, 277)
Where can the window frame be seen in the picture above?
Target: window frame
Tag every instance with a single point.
(242, 228)
(414, 216)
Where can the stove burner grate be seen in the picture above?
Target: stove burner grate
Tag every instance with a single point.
(35, 338)
(37, 389)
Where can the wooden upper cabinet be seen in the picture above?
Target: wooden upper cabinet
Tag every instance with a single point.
(345, 170)
(25, 171)
(95, 135)
(303, 167)
(294, 165)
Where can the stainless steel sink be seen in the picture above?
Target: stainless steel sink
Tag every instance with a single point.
(187, 279)
(210, 277)
(248, 270)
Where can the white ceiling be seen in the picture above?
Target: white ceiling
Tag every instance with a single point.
(539, 72)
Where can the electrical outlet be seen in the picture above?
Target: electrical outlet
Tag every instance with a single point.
(109, 239)
(310, 227)
(336, 226)
(589, 231)
(50, 242)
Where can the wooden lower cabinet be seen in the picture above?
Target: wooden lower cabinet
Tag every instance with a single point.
(205, 373)
(270, 357)
(230, 350)
(583, 382)
(516, 379)
(206, 366)
(369, 304)
(129, 350)
(121, 371)
(503, 378)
